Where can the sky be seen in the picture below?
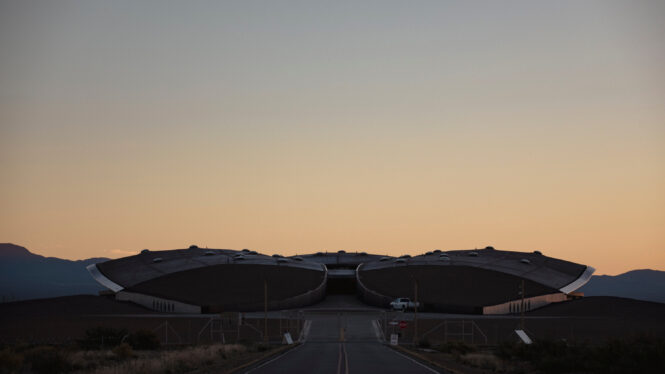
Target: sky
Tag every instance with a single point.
(299, 126)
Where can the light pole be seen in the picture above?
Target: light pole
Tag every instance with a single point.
(265, 311)
(415, 312)
(522, 306)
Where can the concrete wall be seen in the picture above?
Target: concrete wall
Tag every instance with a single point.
(310, 297)
(157, 303)
(172, 306)
(165, 305)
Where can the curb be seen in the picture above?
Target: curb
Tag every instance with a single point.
(421, 358)
(276, 352)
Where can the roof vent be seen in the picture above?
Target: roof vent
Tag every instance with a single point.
(193, 246)
(145, 251)
(489, 247)
(444, 257)
(525, 261)
(209, 253)
(319, 253)
(400, 261)
(277, 256)
(473, 254)
(239, 258)
(252, 253)
(405, 256)
(429, 253)
(384, 259)
(157, 259)
(437, 251)
(282, 260)
(538, 252)
(341, 252)
(245, 250)
(298, 258)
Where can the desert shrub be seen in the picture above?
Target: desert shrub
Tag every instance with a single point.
(638, 355)
(459, 347)
(504, 350)
(87, 361)
(424, 343)
(246, 342)
(485, 361)
(262, 347)
(221, 352)
(123, 352)
(102, 337)
(46, 360)
(642, 354)
(143, 340)
(546, 355)
(10, 361)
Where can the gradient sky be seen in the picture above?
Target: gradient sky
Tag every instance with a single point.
(292, 127)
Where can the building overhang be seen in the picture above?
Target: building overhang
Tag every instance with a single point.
(579, 282)
(102, 279)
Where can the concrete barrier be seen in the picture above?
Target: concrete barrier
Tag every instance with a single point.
(369, 296)
(307, 298)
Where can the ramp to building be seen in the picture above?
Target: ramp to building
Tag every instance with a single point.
(341, 282)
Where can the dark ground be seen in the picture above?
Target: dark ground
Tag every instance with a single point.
(591, 319)
(64, 320)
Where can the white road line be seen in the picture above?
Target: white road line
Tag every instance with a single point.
(305, 331)
(410, 359)
(346, 360)
(274, 359)
(339, 360)
(377, 331)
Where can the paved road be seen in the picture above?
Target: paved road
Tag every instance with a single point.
(341, 343)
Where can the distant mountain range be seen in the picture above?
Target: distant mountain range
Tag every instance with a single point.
(25, 275)
(644, 284)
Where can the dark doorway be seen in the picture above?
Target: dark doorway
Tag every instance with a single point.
(337, 286)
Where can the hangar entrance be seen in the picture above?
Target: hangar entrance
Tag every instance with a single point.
(341, 281)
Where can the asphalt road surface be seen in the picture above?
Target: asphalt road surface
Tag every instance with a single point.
(341, 343)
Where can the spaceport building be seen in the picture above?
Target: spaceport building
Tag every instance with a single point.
(476, 281)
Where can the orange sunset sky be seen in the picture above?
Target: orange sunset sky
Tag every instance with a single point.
(293, 127)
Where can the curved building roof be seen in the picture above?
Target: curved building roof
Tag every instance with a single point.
(129, 271)
(550, 272)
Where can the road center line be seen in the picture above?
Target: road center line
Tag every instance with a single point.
(346, 359)
(339, 360)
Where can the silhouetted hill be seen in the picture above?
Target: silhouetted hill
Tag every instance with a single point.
(604, 306)
(25, 275)
(644, 284)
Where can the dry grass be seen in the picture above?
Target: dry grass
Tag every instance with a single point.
(482, 360)
(176, 361)
(123, 359)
